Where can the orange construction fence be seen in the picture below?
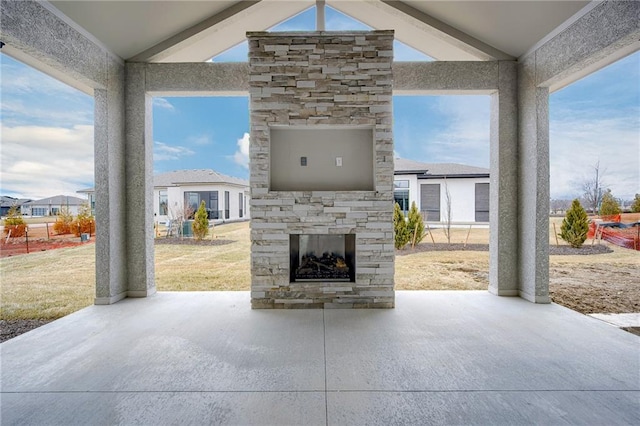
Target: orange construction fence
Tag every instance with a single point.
(625, 235)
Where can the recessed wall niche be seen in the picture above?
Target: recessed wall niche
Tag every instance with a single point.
(321, 159)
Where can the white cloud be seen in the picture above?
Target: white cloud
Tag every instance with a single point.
(163, 103)
(40, 161)
(165, 152)
(20, 79)
(459, 133)
(241, 157)
(200, 140)
(16, 112)
(578, 143)
(30, 97)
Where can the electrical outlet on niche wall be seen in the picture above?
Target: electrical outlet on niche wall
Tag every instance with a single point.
(338, 161)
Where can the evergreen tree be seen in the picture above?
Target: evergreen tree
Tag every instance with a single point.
(609, 206)
(200, 224)
(635, 207)
(575, 225)
(400, 228)
(416, 225)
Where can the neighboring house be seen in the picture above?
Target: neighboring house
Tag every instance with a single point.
(427, 184)
(51, 206)
(7, 202)
(90, 193)
(179, 193)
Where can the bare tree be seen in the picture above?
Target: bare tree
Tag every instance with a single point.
(447, 216)
(559, 206)
(177, 218)
(594, 188)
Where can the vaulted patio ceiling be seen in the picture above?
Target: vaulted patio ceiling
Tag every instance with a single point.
(190, 31)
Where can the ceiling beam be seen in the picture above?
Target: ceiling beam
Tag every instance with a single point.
(166, 48)
(420, 31)
(458, 38)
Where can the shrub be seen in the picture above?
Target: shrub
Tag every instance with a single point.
(400, 228)
(84, 223)
(635, 207)
(415, 225)
(609, 207)
(64, 221)
(15, 223)
(200, 224)
(575, 225)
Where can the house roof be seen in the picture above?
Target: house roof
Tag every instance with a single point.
(195, 176)
(437, 170)
(191, 31)
(6, 201)
(57, 200)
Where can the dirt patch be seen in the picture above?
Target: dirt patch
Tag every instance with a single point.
(426, 247)
(597, 288)
(12, 328)
(553, 250)
(585, 250)
(192, 242)
(14, 248)
(632, 330)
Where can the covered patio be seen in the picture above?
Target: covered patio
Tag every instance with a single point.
(437, 358)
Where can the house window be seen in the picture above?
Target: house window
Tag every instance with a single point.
(401, 194)
(92, 203)
(226, 204)
(430, 201)
(163, 205)
(240, 203)
(55, 211)
(192, 200)
(38, 211)
(482, 202)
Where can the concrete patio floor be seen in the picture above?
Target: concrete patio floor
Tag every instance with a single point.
(437, 358)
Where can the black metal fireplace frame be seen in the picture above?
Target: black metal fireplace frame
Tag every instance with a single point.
(350, 258)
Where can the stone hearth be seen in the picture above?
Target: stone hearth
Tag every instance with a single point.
(335, 91)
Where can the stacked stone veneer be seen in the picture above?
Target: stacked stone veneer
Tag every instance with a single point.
(321, 79)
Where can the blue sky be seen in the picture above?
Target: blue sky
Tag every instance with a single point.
(47, 127)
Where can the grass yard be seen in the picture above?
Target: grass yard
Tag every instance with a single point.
(202, 268)
(51, 284)
(48, 284)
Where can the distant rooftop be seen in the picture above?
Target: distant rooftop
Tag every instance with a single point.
(434, 170)
(192, 176)
(57, 200)
(6, 201)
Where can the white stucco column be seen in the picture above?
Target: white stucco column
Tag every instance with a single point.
(533, 187)
(109, 148)
(503, 214)
(139, 172)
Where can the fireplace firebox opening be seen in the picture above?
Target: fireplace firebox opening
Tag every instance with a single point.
(328, 258)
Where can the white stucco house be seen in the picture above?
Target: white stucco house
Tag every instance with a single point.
(51, 206)
(427, 184)
(179, 193)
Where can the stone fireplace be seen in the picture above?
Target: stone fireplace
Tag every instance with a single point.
(321, 160)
